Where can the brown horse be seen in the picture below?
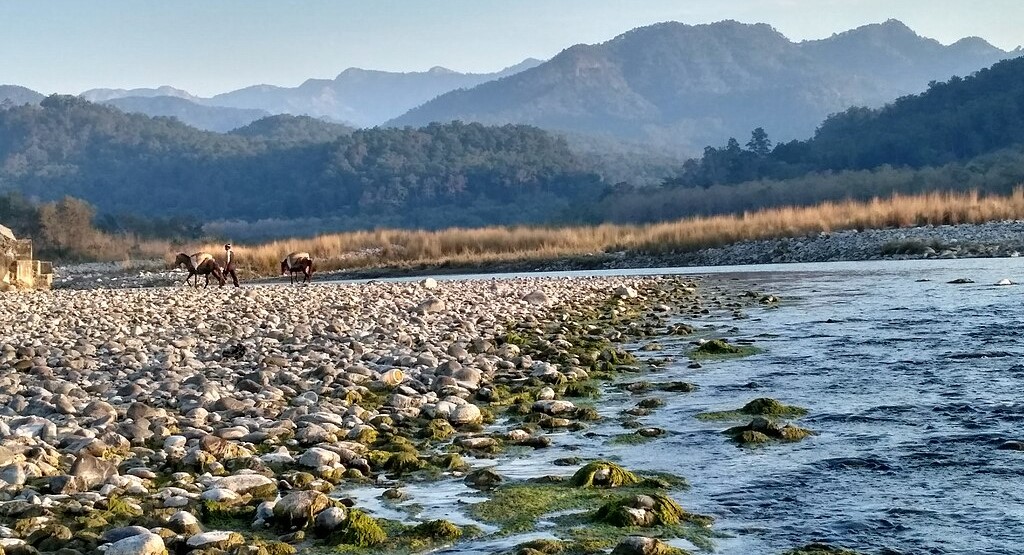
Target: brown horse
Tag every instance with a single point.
(200, 264)
(298, 262)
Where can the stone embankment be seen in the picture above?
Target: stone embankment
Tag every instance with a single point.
(142, 420)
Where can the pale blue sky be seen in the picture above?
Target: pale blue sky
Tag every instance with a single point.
(211, 46)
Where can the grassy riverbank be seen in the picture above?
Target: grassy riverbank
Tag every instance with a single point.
(391, 251)
(513, 246)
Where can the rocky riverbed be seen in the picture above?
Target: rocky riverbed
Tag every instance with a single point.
(135, 421)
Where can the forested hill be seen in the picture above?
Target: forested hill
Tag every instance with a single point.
(961, 135)
(952, 121)
(439, 175)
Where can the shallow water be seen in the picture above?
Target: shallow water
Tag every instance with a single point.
(911, 385)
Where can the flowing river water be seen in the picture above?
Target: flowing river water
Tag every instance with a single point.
(912, 385)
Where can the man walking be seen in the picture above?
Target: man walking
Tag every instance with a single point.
(229, 266)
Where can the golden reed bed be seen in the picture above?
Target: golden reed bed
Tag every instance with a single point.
(390, 247)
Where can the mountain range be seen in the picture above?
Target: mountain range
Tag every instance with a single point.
(671, 87)
(687, 86)
(359, 97)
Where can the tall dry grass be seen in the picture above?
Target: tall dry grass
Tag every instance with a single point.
(497, 244)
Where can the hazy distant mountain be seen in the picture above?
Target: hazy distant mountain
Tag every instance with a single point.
(361, 97)
(102, 95)
(209, 118)
(19, 95)
(690, 86)
(287, 129)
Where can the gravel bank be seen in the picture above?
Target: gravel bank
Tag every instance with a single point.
(139, 420)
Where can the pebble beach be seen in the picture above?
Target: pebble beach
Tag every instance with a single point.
(224, 420)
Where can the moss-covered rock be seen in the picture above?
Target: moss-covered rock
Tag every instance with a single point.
(762, 406)
(437, 429)
(365, 435)
(716, 347)
(763, 430)
(437, 530)
(588, 414)
(603, 474)
(218, 514)
(449, 461)
(272, 548)
(403, 463)
(719, 348)
(646, 510)
(361, 530)
(582, 389)
(377, 458)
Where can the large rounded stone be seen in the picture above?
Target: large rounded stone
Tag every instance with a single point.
(465, 414)
(146, 543)
(257, 484)
(315, 457)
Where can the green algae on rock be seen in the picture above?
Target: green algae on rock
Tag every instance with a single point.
(516, 507)
(645, 510)
(763, 406)
(437, 529)
(603, 474)
(361, 530)
(762, 430)
(720, 348)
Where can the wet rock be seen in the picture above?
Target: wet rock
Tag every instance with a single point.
(299, 508)
(553, 407)
(483, 478)
(763, 430)
(329, 520)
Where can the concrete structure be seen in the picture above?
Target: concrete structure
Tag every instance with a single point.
(17, 268)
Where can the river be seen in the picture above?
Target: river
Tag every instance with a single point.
(911, 383)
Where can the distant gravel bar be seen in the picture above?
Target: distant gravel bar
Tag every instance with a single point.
(989, 240)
